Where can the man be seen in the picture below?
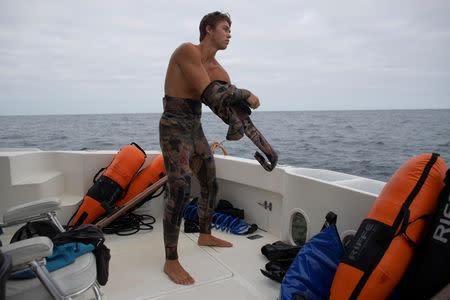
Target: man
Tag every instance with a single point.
(192, 71)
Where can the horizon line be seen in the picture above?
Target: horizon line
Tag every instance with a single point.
(160, 112)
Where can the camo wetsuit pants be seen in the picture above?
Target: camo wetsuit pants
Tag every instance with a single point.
(186, 152)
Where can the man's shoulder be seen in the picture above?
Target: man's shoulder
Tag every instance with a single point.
(188, 45)
(187, 49)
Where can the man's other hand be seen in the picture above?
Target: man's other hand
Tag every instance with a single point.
(253, 101)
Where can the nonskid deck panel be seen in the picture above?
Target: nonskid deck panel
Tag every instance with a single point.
(136, 268)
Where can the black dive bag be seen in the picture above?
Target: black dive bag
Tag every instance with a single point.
(429, 271)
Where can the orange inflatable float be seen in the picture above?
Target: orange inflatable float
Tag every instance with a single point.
(145, 178)
(384, 244)
(108, 189)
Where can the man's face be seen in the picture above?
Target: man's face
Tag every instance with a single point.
(221, 34)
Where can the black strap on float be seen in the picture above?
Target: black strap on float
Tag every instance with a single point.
(447, 178)
(401, 219)
(405, 226)
(107, 204)
(403, 216)
(94, 180)
(137, 146)
(330, 218)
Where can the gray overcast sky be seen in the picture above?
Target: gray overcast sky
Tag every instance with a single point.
(77, 57)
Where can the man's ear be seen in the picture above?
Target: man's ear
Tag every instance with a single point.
(209, 29)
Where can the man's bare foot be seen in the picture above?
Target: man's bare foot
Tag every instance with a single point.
(209, 240)
(177, 273)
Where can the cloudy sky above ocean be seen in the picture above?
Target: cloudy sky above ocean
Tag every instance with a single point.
(80, 57)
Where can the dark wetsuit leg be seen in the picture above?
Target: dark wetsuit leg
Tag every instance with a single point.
(203, 166)
(185, 149)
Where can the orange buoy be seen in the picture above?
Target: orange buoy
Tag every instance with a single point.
(145, 178)
(384, 244)
(102, 196)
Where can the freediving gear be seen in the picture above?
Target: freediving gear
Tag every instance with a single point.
(111, 185)
(280, 250)
(153, 172)
(186, 152)
(429, 271)
(385, 242)
(230, 104)
(130, 205)
(220, 96)
(191, 226)
(225, 207)
(274, 271)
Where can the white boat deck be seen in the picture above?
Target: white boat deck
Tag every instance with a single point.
(136, 267)
(269, 199)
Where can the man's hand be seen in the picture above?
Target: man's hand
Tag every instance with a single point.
(253, 101)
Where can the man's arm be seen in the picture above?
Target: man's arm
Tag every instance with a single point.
(252, 100)
(188, 58)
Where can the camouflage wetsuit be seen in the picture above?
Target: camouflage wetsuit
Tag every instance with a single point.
(186, 152)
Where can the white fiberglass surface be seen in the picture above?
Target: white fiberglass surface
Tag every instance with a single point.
(324, 175)
(136, 268)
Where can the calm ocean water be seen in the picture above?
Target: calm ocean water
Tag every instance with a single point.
(372, 144)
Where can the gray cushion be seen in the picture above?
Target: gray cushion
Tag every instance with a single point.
(27, 250)
(19, 213)
(71, 279)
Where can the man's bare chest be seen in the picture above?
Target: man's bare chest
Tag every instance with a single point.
(215, 72)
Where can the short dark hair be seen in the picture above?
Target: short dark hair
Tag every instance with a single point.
(212, 19)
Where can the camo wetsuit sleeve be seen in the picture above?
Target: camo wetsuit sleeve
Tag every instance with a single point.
(219, 96)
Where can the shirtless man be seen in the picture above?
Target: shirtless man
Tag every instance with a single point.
(192, 70)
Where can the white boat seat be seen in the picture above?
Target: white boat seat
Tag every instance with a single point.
(68, 281)
(35, 210)
(22, 212)
(72, 279)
